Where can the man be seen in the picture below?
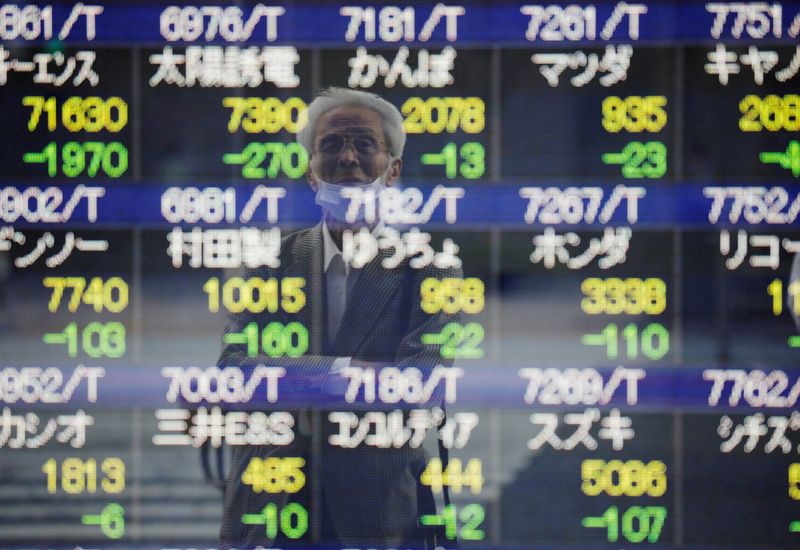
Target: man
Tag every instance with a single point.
(368, 317)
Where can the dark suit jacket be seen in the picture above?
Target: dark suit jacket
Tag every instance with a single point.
(371, 494)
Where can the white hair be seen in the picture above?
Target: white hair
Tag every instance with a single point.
(333, 97)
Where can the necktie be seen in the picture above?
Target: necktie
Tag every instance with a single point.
(337, 296)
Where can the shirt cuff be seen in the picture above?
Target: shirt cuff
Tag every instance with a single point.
(340, 363)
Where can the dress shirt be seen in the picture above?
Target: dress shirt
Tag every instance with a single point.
(339, 281)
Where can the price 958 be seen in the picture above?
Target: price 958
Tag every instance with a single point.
(451, 295)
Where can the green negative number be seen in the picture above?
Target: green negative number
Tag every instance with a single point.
(97, 339)
(292, 520)
(469, 518)
(638, 523)
(458, 341)
(640, 160)
(90, 157)
(289, 158)
(276, 339)
(472, 155)
(652, 341)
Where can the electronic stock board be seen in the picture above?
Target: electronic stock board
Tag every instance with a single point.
(616, 182)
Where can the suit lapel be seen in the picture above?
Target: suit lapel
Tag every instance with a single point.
(373, 289)
(307, 260)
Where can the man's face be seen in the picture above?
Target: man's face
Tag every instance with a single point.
(350, 148)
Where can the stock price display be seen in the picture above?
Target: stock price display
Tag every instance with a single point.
(596, 220)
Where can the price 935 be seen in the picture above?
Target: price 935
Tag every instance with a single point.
(634, 113)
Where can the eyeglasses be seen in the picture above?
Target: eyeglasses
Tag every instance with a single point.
(364, 144)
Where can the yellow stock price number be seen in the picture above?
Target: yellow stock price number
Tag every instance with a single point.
(256, 295)
(452, 295)
(111, 294)
(455, 475)
(632, 296)
(275, 474)
(775, 290)
(270, 115)
(80, 476)
(439, 114)
(794, 481)
(632, 478)
(634, 113)
(78, 114)
(772, 113)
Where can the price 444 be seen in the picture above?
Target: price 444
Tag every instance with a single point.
(454, 475)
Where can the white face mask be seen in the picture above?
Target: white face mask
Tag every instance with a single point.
(329, 195)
